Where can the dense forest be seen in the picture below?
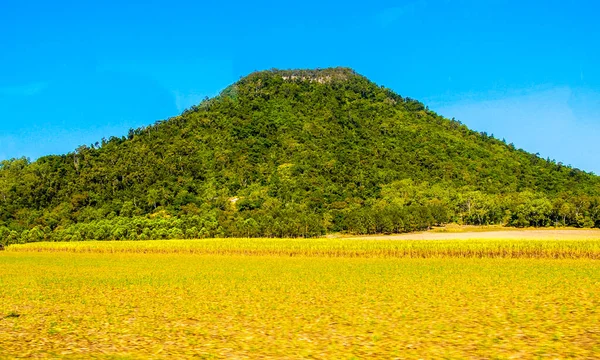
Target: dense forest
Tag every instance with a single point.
(287, 154)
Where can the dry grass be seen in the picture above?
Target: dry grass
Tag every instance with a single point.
(281, 298)
(346, 248)
(124, 306)
(455, 228)
(493, 233)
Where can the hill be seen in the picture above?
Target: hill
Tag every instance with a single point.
(291, 153)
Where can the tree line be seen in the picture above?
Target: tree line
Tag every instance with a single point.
(388, 215)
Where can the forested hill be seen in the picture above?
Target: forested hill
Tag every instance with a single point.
(291, 153)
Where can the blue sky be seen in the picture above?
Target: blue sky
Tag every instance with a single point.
(72, 72)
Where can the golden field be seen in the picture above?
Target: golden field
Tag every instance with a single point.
(323, 298)
(584, 248)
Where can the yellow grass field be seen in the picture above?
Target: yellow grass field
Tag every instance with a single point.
(282, 298)
(584, 248)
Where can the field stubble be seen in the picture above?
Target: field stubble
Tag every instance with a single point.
(588, 248)
(165, 304)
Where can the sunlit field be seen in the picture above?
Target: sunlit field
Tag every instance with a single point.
(326, 299)
(473, 248)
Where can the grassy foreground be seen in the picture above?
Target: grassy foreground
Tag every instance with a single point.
(346, 248)
(116, 304)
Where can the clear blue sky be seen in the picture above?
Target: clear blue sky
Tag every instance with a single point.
(72, 72)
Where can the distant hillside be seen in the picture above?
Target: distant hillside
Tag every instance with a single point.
(291, 153)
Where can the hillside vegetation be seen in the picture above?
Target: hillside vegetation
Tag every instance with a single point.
(291, 153)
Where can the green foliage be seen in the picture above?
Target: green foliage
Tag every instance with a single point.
(287, 154)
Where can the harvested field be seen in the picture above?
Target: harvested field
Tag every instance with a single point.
(302, 298)
(163, 306)
(507, 234)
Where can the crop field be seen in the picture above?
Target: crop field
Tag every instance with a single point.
(588, 248)
(283, 298)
